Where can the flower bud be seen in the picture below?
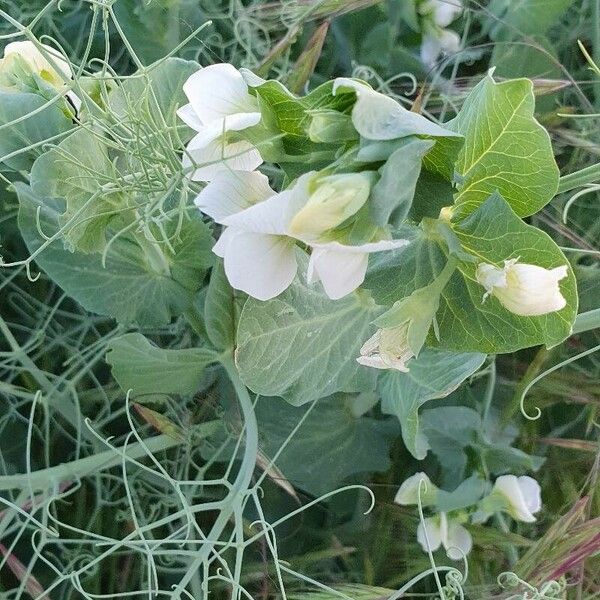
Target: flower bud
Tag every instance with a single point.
(526, 290)
(416, 486)
(387, 349)
(334, 199)
(24, 59)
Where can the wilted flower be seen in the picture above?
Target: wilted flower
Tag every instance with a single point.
(437, 15)
(219, 104)
(387, 349)
(526, 290)
(521, 496)
(442, 530)
(262, 227)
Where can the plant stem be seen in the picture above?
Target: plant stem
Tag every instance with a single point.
(587, 320)
(571, 181)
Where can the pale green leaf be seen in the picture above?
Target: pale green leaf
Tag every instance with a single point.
(47, 123)
(128, 288)
(505, 149)
(302, 345)
(140, 366)
(434, 374)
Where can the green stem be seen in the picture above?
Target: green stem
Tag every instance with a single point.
(585, 176)
(77, 469)
(587, 321)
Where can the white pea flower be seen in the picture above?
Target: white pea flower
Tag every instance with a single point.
(219, 104)
(441, 530)
(437, 15)
(521, 495)
(262, 227)
(387, 349)
(378, 117)
(526, 290)
(22, 59)
(412, 488)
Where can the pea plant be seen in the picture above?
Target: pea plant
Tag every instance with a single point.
(286, 286)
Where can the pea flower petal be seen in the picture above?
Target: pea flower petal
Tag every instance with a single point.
(521, 494)
(524, 289)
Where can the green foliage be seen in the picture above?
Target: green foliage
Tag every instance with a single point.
(140, 366)
(28, 120)
(146, 285)
(301, 345)
(434, 374)
(505, 150)
(331, 445)
(494, 233)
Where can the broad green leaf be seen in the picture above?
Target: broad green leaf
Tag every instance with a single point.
(466, 494)
(494, 233)
(393, 194)
(524, 16)
(505, 149)
(75, 171)
(138, 365)
(396, 274)
(434, 374)
(302, 345)
(220, 309)
(49, 122)
(331, 444)
(129, 287)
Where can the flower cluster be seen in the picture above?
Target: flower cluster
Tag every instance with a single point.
(263, 229)
(520, 497)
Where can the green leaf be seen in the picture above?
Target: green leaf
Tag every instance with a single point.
(44, 125)
(434, 374)
(468, 493)
(524, 16)
(393, 194)
(494, 233)
(505, 149)
(331, 444)
(129, 287)
(138, 365)
(302, 345)
(75, 171)
(220, 309)
(396, 274)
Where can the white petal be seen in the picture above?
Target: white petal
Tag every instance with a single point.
(378, 117)
(220, 248)
(340, 268)
(429, 534)
(375, 362)
(187, 114)
(261, 265)
(30, 52)
(458, 541)
(446, 12)
(217, 91)
(532, 493)
(430, 50)
(449, 41)
(508, 486)
(409, 490)
(339, 272)
(231, 192)
(212, 156)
